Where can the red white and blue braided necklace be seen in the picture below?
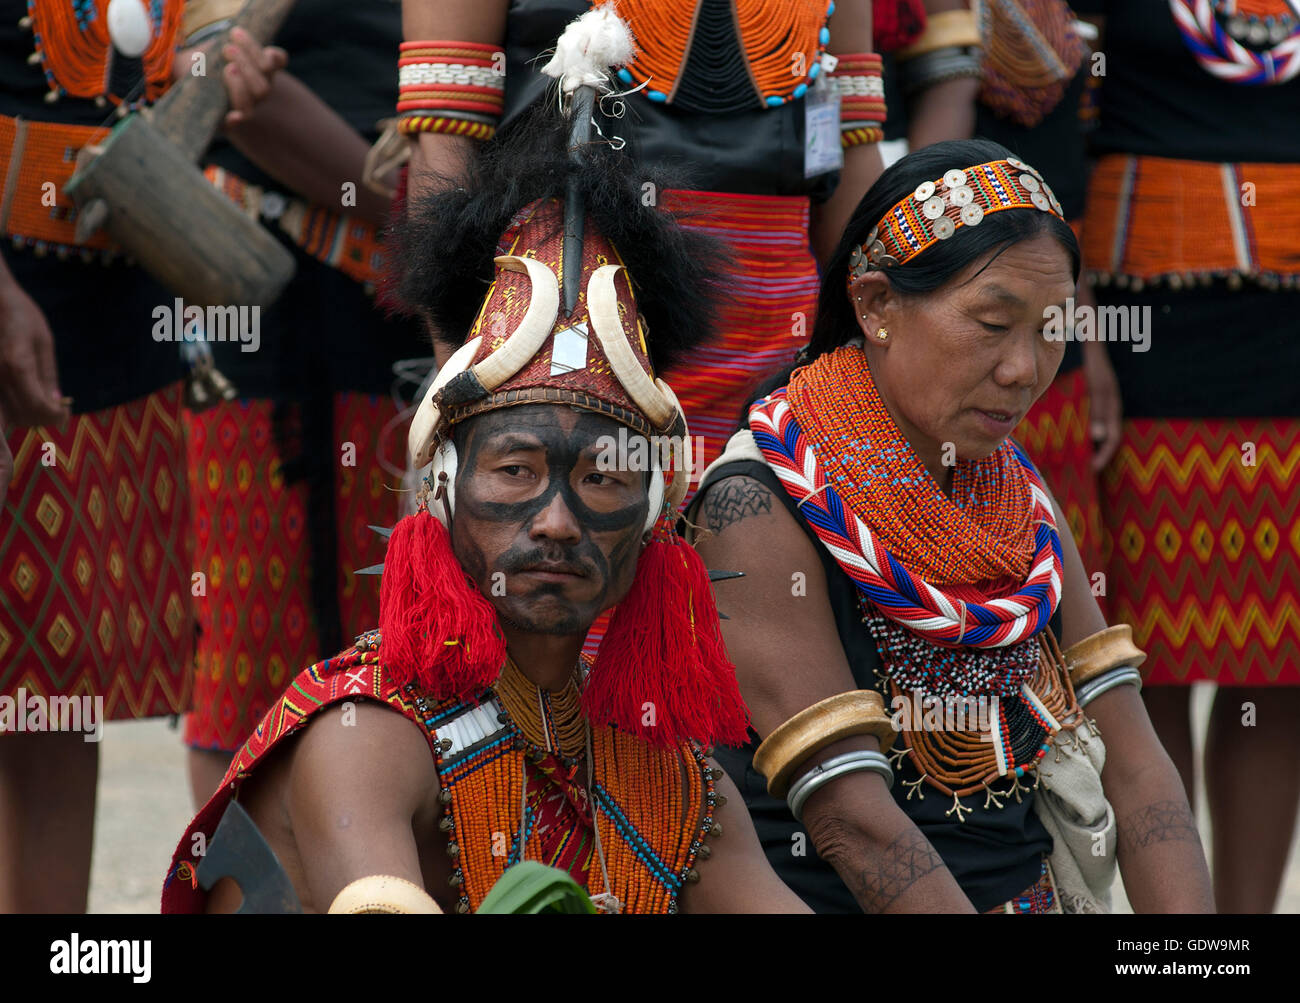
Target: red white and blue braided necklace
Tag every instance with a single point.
(936, 613)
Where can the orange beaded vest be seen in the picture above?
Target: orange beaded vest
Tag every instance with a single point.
(653, 806)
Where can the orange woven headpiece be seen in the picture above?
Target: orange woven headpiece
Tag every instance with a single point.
(937, 209)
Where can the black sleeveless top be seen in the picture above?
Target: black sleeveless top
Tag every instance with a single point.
(758, 151)
(994, 855)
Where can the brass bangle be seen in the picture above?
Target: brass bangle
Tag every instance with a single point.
(858, 712)
(383, 893)
(947, 28)
(1105, 650)
(199, 14)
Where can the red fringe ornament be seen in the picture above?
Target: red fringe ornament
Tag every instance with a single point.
(437, 629)
(662, 672)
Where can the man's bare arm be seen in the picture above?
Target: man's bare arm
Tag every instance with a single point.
(736, 877)
(436, 156)
(353, 791)
(944, 110)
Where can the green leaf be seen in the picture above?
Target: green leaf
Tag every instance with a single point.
(531, 887)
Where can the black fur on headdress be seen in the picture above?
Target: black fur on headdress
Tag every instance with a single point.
(446, 243)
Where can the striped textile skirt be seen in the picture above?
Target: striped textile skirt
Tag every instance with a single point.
(1204, 521)
(766, 317)
(95, 560)
(271, 604)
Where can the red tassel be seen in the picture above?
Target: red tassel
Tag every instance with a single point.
(896, 24)
(437, 629)
(662, 671)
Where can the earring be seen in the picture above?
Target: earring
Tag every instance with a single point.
(882, 334)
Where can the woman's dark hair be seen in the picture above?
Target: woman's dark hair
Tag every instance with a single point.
(836, 323)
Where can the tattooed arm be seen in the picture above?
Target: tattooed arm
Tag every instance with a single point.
(781, 636)
(1160, 854)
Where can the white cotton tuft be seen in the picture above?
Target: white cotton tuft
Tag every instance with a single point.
(590, 45)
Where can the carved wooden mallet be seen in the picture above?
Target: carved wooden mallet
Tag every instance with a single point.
(143, 185)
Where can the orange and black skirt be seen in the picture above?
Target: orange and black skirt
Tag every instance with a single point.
(1202, 502)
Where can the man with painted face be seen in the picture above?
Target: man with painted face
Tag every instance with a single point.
(467, 733)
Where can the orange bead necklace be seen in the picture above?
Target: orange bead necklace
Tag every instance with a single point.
(76, 51)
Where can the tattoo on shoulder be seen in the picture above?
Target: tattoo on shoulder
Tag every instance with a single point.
(1161, 822)
(903, 863)
(733, 500)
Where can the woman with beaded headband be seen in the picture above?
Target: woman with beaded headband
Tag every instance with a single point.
(1192, 235)
(896, 634)
(482, 737)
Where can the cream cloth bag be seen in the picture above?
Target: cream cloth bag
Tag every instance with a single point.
(1074, 810)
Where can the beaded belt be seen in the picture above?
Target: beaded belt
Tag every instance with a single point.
(350, 244)
(1040, 897)
(1152, 219)
(34, 214)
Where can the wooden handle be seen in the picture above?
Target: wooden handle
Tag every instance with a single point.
(191, 111)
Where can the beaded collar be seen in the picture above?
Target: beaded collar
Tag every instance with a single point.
(1242, 43)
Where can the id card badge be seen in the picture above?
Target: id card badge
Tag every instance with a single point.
(822, 150)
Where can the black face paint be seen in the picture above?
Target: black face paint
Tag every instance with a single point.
(498, 542)
(563, 452)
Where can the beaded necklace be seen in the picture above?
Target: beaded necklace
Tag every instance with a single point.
(981, 534)
(1259, 21)
(1020, 713)
(1256, 23)
(551, 721)
(949, 672)
(885, 493)
(81, 58)
(779, 57)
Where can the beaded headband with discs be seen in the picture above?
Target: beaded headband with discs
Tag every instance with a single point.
(937, 209)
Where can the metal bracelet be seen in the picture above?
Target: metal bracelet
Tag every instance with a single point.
(1091, 690)
(834, 761)
(937, 66)
(836, 766)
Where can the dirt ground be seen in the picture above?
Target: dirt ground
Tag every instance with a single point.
(144, 806)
